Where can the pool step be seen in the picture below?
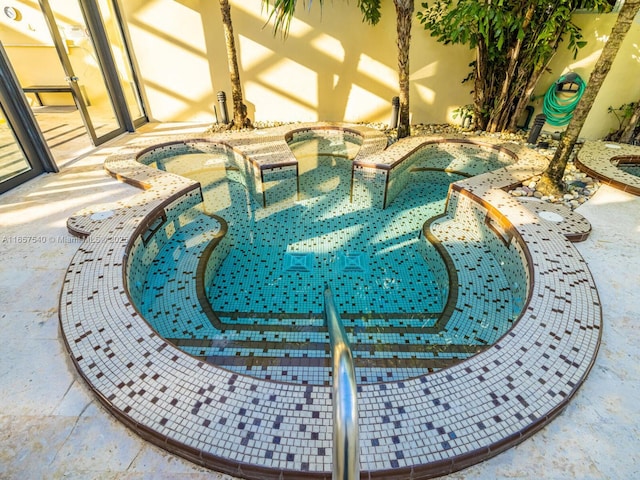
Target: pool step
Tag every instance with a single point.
(274, 346)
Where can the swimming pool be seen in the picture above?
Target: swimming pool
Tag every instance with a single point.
(390, 284)
(614, 164)
(427, 425)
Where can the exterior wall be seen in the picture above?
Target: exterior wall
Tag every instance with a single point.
(332, 66)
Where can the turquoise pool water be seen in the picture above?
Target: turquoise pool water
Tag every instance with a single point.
(631, 168)
(267, 294)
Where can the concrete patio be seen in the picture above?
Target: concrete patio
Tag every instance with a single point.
(52, 427)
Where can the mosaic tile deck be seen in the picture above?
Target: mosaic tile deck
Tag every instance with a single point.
(421, 427)
(606, 161)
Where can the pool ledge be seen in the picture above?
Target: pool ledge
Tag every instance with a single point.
(599, 160)
(422, 427)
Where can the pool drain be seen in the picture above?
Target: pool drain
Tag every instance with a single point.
(355, 262)
(298, 262)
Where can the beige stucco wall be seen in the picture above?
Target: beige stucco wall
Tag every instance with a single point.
(331, 67)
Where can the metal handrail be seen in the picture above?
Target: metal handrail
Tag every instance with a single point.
(346, 446)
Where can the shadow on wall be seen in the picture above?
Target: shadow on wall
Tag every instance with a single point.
(331, 67)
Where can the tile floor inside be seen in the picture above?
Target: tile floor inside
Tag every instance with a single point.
(294, 248)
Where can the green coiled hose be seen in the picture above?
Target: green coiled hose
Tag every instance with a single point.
(559, 107)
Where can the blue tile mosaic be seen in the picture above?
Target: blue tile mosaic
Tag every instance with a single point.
(390, 284)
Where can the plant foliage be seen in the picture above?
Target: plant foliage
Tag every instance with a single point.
(514, 42)
(627, 116)
(282, 12)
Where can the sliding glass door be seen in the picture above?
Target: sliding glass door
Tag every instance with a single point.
(74, 43)
(23, 154)
(72, 67)
(109, 16)
(13, 161)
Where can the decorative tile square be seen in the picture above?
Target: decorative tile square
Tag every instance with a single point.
(353, 262)
(298, 261)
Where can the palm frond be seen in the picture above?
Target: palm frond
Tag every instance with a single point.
(282, 11)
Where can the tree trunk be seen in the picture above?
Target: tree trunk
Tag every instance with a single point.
(500, 115)
(525, 98)
(240, 119)
(500, 119)
(480, 87)
(404, 17)
(627, 134)
(534, 77)
(551, 181)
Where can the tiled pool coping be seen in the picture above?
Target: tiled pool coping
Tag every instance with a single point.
(424, 427)
(599, 159)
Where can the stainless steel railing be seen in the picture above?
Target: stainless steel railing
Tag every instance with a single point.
(346, 446)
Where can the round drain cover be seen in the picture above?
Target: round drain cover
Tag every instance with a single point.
(102, 215)
(550, 216)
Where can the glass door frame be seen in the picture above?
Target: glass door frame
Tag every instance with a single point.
(95, 23)
(20, 117)
(24, 126)
(72, 80)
